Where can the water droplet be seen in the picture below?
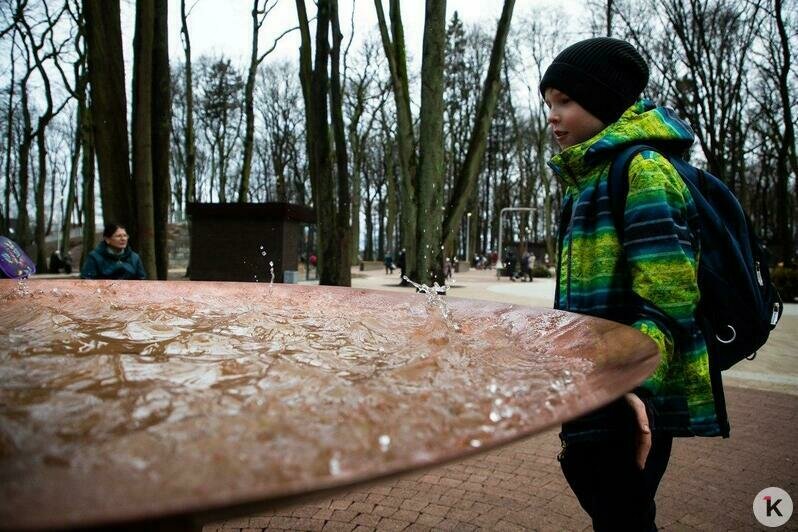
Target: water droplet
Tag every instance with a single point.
(263, 253)
(385, 442)
(495, 416)
(475, 443)
(335, 466)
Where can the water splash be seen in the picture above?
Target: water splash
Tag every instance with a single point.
(271, 272)
(22, 289)
(335, 465)
(434, 299)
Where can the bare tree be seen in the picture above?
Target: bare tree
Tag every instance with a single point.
(361, 121)
(538, 41)
(320, 86)
(429, 263)
(280, 107)
(10, 118)
(190, 143)
(220, 112)
(109, 104)
(259, 13)
(142, 132)
(81, 80)
(394, 46)
(161, 133)
(466, 180)
(42, 48)
(786, 160)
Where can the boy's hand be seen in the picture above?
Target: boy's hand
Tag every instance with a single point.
(643, 429)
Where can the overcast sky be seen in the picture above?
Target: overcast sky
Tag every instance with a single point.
(223, 27)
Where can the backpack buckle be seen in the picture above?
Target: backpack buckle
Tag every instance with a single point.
(774, 319)
(730, 340)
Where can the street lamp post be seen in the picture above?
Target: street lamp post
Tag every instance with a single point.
(468, 240)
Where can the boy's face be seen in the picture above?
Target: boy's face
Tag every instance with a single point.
(569, 122)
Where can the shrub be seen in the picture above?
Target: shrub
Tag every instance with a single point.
(540, 271)
(786, 281)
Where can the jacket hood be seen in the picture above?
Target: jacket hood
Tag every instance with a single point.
(642, 123)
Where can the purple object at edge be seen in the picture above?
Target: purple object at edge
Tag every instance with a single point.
(13, 261)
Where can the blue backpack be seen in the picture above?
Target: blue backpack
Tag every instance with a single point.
(738, 305)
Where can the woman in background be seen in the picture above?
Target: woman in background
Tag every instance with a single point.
(112, 258)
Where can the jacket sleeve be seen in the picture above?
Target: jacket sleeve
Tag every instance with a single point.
(140, 272)
(661, 253)
(90, 269)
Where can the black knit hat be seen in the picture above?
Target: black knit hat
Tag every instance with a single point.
(604, 75)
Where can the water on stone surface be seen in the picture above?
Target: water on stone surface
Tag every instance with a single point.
(274, 388)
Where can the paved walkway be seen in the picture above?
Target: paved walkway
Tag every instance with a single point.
(710, 483)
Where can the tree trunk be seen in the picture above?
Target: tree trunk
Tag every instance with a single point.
(787, 159)
(41, 186)
(87, 169)
(357, 158)
(323, 182)
(429, 263)
(6, 215)
(249, 108)
(368, 249)
(343, 233)
(26, 140)
(161, 131)
(397, 63)
(74, 164)
(109, 112)
(306, 80)
(467, 179)
(190, 142)
(391, 203)
(142, 132)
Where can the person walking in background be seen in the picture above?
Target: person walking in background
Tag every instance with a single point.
(643, 274)
(113, 258)
(526, 270)
(400, 262)
(388, 264)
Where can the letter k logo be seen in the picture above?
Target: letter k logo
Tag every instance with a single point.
(772, 506)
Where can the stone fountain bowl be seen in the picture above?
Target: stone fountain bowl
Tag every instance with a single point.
(135, 402)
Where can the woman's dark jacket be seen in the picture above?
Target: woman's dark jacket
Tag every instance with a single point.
(102, 264)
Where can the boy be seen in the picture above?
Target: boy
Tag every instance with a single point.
(614, 458)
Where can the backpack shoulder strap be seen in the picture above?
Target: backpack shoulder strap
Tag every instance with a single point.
(618, 182)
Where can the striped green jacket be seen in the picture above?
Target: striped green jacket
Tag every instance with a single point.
(656, 264)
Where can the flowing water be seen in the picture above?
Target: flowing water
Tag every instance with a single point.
(274, 388)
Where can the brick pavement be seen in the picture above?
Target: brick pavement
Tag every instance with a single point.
(710, 484)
